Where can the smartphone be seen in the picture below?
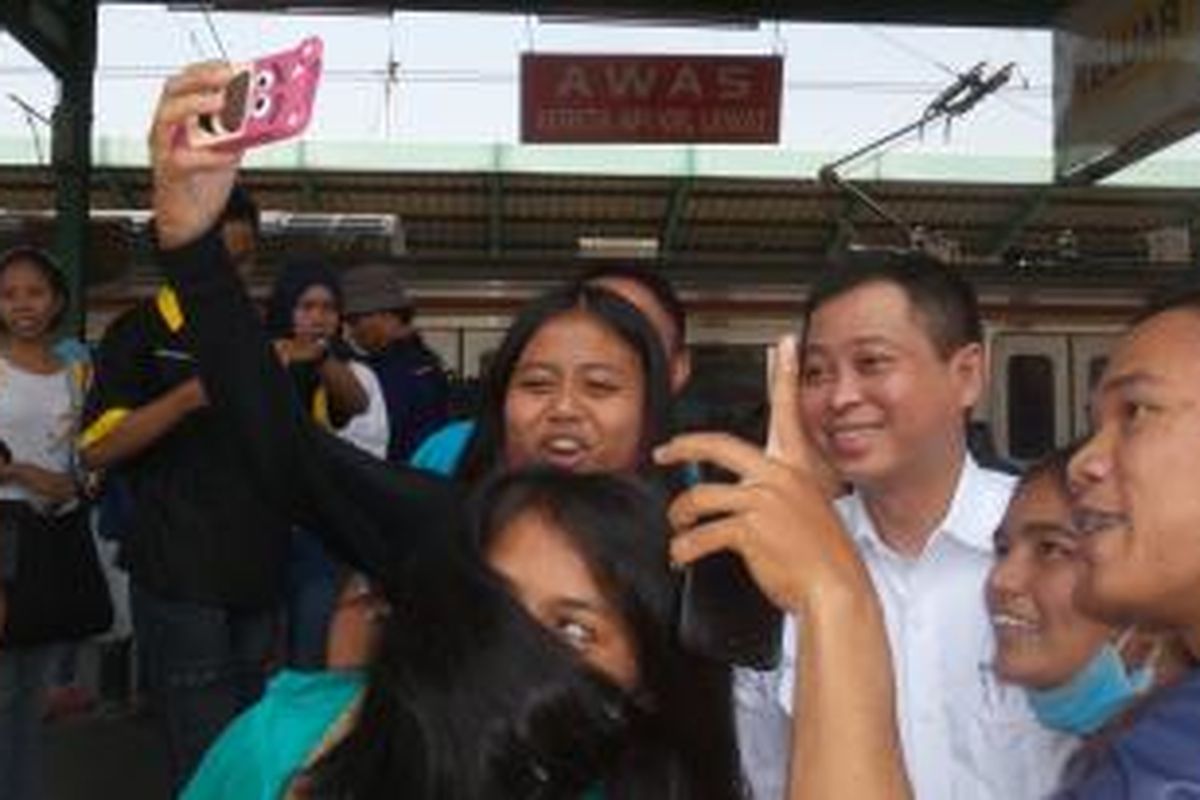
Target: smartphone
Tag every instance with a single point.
(726, 617)
(268, 100)
(5, 453)
(723, 613)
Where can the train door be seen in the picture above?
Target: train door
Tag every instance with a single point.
(1041, 387)
(478, 346)
(1031, 394)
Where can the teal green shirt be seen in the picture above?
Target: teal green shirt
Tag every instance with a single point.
(261, 751)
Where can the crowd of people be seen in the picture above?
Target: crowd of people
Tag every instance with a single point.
(339, 592)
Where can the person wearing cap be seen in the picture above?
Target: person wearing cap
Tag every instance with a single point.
(379, 316)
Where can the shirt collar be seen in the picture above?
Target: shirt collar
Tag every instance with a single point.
(962, 520)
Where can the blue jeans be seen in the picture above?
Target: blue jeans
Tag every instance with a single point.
(206, 663)
(23, 675)
(311, 593)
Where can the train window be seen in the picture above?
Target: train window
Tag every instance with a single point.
(1031, 406)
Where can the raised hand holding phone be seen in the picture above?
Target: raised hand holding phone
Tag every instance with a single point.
(194, 175)
(777, 517)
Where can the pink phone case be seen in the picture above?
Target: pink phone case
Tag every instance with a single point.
(268, 100)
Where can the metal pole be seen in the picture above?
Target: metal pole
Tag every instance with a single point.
(71, 157)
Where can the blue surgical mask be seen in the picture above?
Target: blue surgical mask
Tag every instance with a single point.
(1097, 693)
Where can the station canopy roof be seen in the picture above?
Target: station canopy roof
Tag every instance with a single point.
(469, 214)
(983, 13)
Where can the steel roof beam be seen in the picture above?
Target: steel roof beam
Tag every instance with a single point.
(672, 224)
(44, 28)
(495, 213)
(1026, 212)
(1025, 14)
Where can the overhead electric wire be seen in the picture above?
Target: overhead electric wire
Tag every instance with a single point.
(212, 29)
(920, 55)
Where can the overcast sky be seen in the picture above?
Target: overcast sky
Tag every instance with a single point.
(456, 75)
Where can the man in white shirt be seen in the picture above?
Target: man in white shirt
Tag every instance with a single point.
(893, 361)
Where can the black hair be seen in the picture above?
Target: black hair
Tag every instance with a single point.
(240, 207)
(485, 449)
(469, 698)
(1178, 298)
(293, 280)
(653, 282)
(943, 299)
(681, 745)
(45, 264)
(1053, 465)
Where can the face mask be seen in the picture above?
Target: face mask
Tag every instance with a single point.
(1097, 693)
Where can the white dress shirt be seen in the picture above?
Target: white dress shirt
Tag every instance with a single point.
(965, 735)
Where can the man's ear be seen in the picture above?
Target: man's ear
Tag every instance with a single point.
(968, 365)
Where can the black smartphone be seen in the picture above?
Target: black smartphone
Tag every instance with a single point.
(5, 453)
(723, 613)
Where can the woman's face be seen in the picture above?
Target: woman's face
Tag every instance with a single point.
(553, 582)
(575, 399)
(1042, 639)
(315, 315)
(28, 303)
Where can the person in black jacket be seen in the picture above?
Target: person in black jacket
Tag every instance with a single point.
(205, 556)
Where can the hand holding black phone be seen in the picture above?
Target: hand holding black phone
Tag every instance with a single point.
(723, 613)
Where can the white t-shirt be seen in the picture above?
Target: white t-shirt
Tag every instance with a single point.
(965, 735)
(368, 430)
(39, 419)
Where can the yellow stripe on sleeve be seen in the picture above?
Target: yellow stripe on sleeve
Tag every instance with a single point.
(168, 307)
(320, 407)
(102, 427)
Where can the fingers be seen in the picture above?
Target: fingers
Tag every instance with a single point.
(721, 449)
(202, 160)
(786, 440)
(197, 90)
(712, 537)
(710, 499)
(206, 76)
(176, 110)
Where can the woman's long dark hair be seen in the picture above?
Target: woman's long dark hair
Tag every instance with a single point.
(485, 450)
(470, 698)
(682, 744)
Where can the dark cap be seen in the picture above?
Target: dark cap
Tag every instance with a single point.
(373, 287)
